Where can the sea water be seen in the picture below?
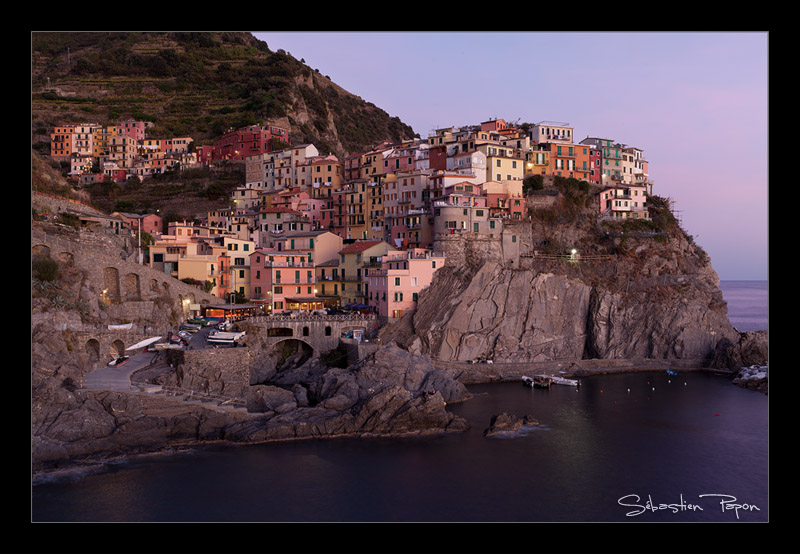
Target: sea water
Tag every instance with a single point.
(643, 447)
(747, 304)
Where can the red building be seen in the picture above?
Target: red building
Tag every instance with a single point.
(238, 144)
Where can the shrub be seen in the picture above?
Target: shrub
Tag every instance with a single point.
(45, 268)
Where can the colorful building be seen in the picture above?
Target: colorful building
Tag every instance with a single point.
(354, 260)
(623, 202)
(394, 288)
(283, 281)
(239, 144)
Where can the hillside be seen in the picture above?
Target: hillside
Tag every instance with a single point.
(195, 84)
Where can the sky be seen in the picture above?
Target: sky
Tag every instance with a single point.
(695, 103)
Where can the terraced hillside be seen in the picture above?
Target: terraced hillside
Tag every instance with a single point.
(195, 84)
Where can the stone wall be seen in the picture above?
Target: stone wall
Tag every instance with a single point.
(110, 290)
(462, 249)
(222, 372)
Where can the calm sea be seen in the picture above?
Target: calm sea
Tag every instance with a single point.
(645, 447)
(747, 304)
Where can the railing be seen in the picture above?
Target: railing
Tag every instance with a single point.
(567, 257)
(311, 317)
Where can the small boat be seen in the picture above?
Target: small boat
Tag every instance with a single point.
(168, 346)
(538, 381)
(564, 381)
(116, 362)
(671, 372)
(200, 322)
(221, 337)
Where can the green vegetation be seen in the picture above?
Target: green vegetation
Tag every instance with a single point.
(205, 286)
(576, 197)
(661, 214)
(534, 182)
(45, 268)
(197, 84)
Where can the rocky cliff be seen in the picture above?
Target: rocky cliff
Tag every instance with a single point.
(393, 393)
(629, 292)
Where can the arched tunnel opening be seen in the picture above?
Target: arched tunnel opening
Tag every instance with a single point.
(284, 356)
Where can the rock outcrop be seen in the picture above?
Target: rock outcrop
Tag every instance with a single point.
(751, 348)
(754, 377)
(505, 424)
(394, 393)
(648, 295)
(515, 315)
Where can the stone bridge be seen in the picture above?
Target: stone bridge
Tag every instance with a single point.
(320, 332)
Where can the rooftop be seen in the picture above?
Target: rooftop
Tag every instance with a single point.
(359, 246)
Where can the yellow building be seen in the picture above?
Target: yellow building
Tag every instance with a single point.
(354, 260)
(374, 209)
(355, 202)
(327, 282)
(325, 170)
(238, 251)
(502, 163)
(200, 261)
(537, 162)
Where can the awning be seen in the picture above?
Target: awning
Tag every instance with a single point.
(142, 344)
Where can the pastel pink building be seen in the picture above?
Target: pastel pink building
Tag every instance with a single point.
(133, 129)
(151, 224)
(394, 288)
(282, 281)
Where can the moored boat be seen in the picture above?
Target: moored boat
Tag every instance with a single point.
(222, 337)
(538, 381)
(564, 381)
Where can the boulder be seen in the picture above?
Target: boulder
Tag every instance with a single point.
(266, 398)
(754, 377)
(508, 424)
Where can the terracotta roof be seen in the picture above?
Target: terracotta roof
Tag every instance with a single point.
(359, 246)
